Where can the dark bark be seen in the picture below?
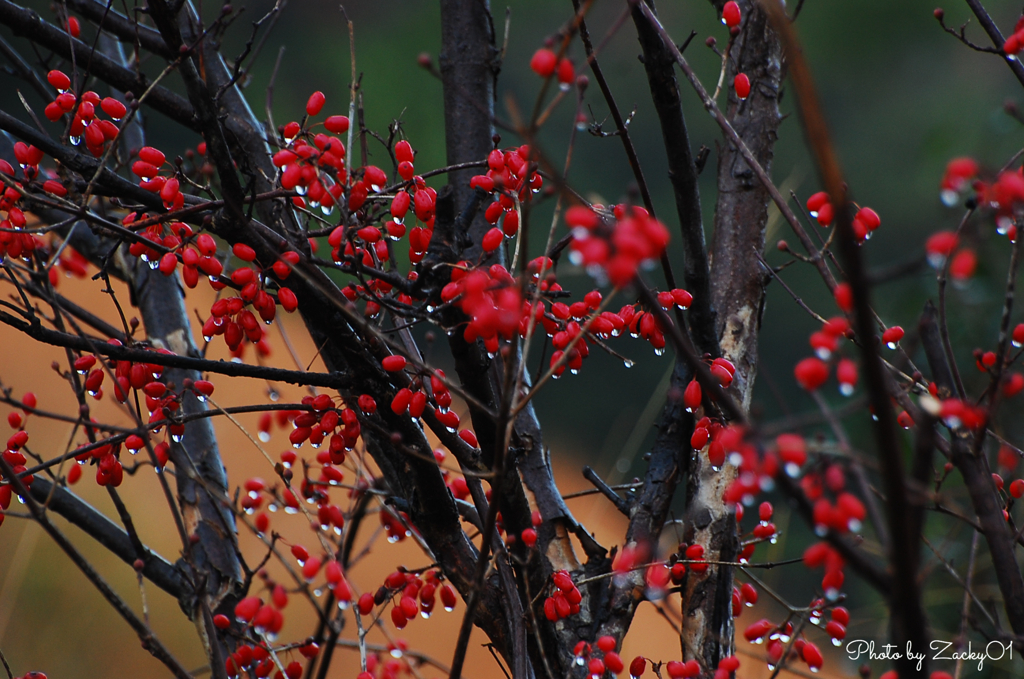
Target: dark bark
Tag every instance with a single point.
(741, 211)
(737, 295)
(469, 71)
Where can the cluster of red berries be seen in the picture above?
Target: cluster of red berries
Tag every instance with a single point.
(778, 635)
(865, 221)
(546, 63)
(756, 470)
(491, 299)
(822, 554)
(148, 167)
(413, 400)
(745, 595)
(941, 245)
(369, 244)
(86, 123)
(615, 245)
(416, 594)
(229, 316)
(389, 663)
(12, 453)
(16, 244)
(510, 180)
(957, 177)
(339, 426)
(762, 531)
(266, 619)
(316, 171)
(13, 243)
(599, 658)
(1001, 196)
(565, 598)
(256, 660)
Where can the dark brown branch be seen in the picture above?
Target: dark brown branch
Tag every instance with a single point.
(621, 503)
(124, 29)
(228, 368)
(24, 70)
(158, 570)
(998, 533)
(149, 640)
(201, 98)
(997, 38)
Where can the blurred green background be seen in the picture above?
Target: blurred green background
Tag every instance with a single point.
(902, 98)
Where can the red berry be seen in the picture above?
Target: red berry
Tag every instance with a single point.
(812, 656)
(844, 297)
(566, 72)
(336, 124)
(315, 103)
(892, 336)
(393, 363)
(59, 80)
(544, 62)
(492, 240)
(731, 15)
(692, 396)
(811, 373)
(741, 83)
